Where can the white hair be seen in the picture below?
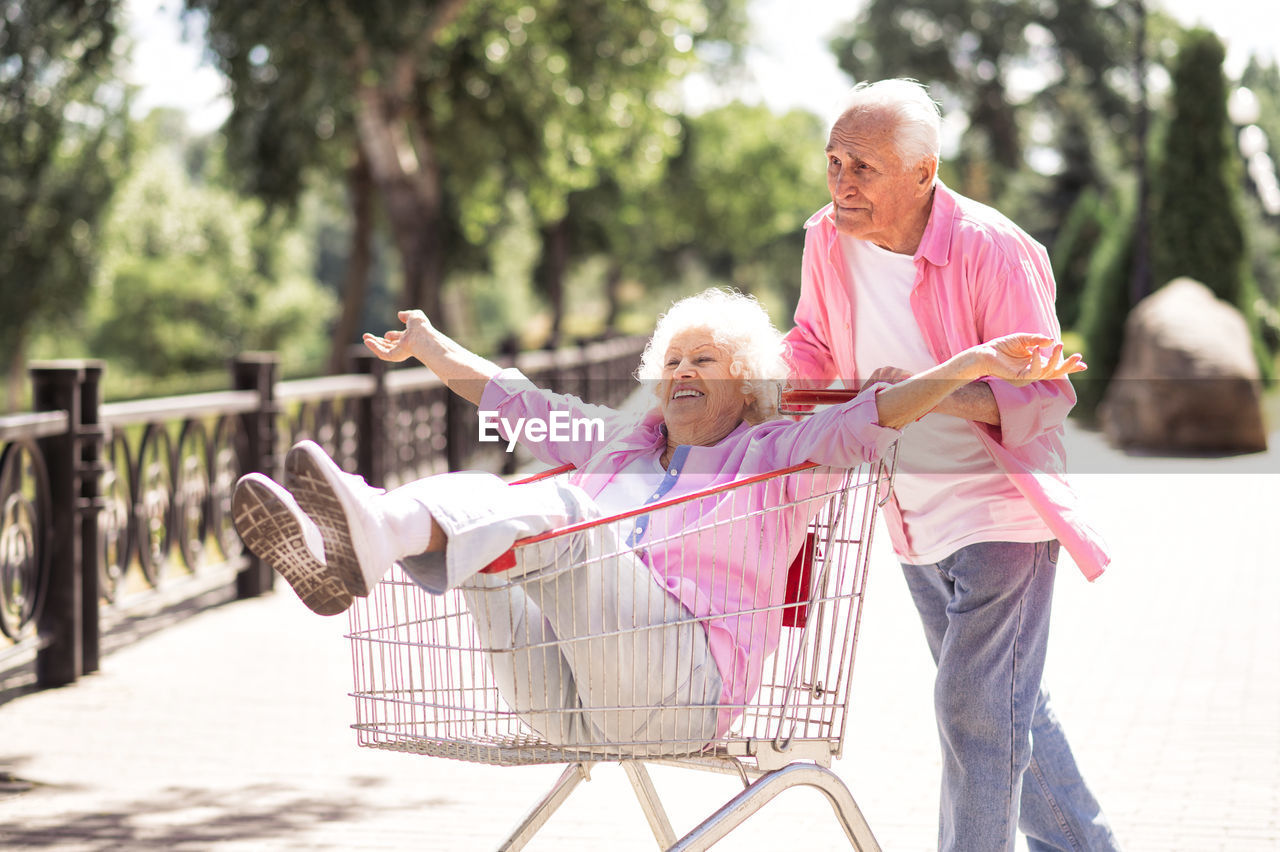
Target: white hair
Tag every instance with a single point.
(739, 324)
(919, 121)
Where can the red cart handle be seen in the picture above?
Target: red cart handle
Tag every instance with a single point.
(817, 396)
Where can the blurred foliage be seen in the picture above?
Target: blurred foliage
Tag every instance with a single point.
(1197, 222)
(1263, 80)
(1073, 250)
(1106, 301)
(529, 158)
(1196, 227)
(729, 210)
(193, 274)
(454, 103)
(64, 143)
(739, 195)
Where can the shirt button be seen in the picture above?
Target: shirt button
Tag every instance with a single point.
(674, 472)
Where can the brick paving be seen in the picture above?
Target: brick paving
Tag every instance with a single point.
(229, 730)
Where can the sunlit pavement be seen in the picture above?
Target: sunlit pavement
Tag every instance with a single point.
(229, 729)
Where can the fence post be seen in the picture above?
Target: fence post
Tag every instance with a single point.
(373, 427)
(55, 386)
(91, 468)
(256, 371)
(455, 428)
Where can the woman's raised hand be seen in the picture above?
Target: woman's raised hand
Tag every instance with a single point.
(1021, 359)
(402, 345)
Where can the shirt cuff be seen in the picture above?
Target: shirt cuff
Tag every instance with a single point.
(878, 438)
(504, 385)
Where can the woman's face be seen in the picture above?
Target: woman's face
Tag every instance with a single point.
(701, 401)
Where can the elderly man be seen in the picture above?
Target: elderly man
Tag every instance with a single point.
(899, 274)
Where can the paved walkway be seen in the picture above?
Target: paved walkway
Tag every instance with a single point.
(228, 730)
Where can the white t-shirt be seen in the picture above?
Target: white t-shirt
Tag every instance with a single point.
(632, 487)
(943, 470)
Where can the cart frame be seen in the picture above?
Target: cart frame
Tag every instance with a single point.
(421, 684)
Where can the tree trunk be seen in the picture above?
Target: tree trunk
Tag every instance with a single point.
(403, 166)
(613, 297)
(355, 285)
(416, 223)
(993, 113)
(550, 274)
(12, 354)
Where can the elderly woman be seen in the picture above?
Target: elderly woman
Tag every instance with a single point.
(635, 596)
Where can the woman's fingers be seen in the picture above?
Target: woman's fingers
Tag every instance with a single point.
(1023, 344)
(384, 348)
(1035, 357)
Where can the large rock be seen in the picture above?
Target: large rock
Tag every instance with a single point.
(1187, 380)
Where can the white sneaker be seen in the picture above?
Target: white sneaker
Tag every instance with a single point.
(275, 530)
(357, 544)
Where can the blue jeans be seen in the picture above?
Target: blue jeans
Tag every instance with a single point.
(1005, 761)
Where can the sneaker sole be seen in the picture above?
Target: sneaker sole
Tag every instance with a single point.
(272, 533)
(317, 497)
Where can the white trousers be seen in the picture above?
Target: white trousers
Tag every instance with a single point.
(584, 643)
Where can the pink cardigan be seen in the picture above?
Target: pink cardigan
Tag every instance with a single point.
(978, 276)
(736, 582)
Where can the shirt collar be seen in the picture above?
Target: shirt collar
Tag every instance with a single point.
(822, 215)
(742, 426)
(935, 243)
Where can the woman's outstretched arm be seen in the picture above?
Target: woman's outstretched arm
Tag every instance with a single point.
(463, 371)
(1017, 358)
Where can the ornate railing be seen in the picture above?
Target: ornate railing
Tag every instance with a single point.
(26, 515)
(112, 514)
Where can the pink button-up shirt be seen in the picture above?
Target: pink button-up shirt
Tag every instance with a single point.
(733, 576)
(978, 276)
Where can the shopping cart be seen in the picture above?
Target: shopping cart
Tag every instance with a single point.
(425, 669)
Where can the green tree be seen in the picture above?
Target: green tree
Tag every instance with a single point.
(738, 196)
(1263, 81)
(451, 104)
(729, 209)
(1196, 223)
(1106, 301)
(63, 146)
(193, 274)
(1077, 241)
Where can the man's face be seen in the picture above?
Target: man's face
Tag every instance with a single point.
(876, 196)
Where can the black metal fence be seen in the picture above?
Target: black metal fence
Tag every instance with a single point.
(111, 514)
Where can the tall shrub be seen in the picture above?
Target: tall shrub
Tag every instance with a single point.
(1197, 229)
(1104, 307)
(1077, 242)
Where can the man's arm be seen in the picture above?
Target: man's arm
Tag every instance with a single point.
(974, 401)
(970, 399)
(861, 429)
(1017, 359)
